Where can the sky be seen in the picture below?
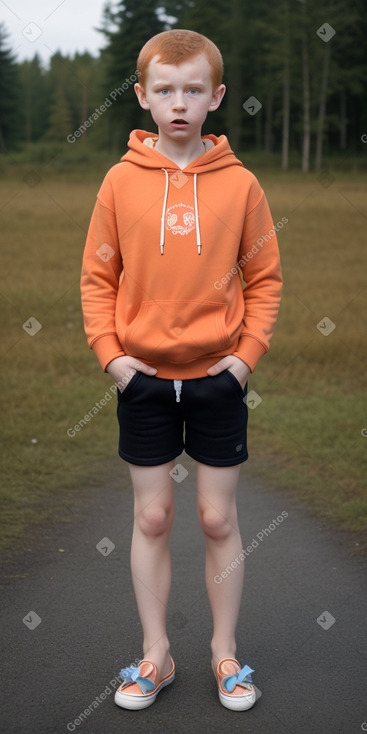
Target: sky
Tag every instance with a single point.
(47, 26)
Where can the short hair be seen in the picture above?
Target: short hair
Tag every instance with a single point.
(179, 45)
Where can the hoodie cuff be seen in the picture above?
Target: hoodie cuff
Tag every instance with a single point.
(106, 348)
(250, 350)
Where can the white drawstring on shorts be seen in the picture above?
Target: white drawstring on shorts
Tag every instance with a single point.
(177, 384)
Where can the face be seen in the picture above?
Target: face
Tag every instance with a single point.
(179, 97)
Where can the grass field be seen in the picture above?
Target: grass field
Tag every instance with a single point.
(308, 435)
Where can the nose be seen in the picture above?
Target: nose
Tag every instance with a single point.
(179, 102)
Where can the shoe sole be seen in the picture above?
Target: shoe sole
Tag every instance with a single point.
(237, 703)
(135, 701)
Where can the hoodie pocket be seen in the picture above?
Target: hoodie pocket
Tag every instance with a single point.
(177, 331)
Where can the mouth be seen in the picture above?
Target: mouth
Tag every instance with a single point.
(179, 122)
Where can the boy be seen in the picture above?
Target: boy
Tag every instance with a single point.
(166, 315)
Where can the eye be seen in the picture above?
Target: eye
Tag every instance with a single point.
(194, 91)
(164, 92)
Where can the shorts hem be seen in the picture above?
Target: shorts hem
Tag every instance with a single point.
(217, 462)
(150, 462)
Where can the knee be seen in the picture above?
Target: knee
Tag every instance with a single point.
(155, 521)
(215, 525)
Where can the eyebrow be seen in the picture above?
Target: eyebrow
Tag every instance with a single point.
(168, 84)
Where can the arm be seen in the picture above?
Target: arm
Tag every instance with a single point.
(259, 262)
(101, 271)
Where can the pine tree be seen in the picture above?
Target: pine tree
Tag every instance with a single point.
(84, 92)
(60, 123)
(338, 70)
(135, 24)
(10, 99)
(59, 79)
(273, 64)
(35, 106)
(347, 73)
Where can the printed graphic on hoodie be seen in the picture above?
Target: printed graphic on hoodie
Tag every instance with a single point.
(180, 219)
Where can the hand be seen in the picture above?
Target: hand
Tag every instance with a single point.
(122, 369)
(234, 364)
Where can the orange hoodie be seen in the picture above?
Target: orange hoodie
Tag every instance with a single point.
(160, 277)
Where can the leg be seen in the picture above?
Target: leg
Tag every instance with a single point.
(218, 518)
(150, 556)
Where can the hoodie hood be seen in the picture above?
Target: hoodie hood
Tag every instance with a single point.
(142, 153)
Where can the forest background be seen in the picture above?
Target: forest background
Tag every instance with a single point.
(295, 71)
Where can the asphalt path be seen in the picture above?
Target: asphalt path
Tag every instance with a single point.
(69, 621)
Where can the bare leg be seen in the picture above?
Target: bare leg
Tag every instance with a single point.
(218, 518)
(150, 556)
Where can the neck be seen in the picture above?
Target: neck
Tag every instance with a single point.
(182, 152)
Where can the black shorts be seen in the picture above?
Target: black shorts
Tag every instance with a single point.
(209, 421)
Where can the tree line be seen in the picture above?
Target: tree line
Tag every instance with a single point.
(295, 72)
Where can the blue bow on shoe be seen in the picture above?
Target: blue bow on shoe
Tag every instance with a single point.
(242, 678)
(132, 675)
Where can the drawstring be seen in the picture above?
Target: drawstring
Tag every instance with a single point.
(177, 384)
(198, 237)
(196, 207)
(161, 244)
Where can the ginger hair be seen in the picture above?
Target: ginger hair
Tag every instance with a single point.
(176, 46)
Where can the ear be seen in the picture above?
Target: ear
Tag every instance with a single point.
(218, 95)
(139, 91)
